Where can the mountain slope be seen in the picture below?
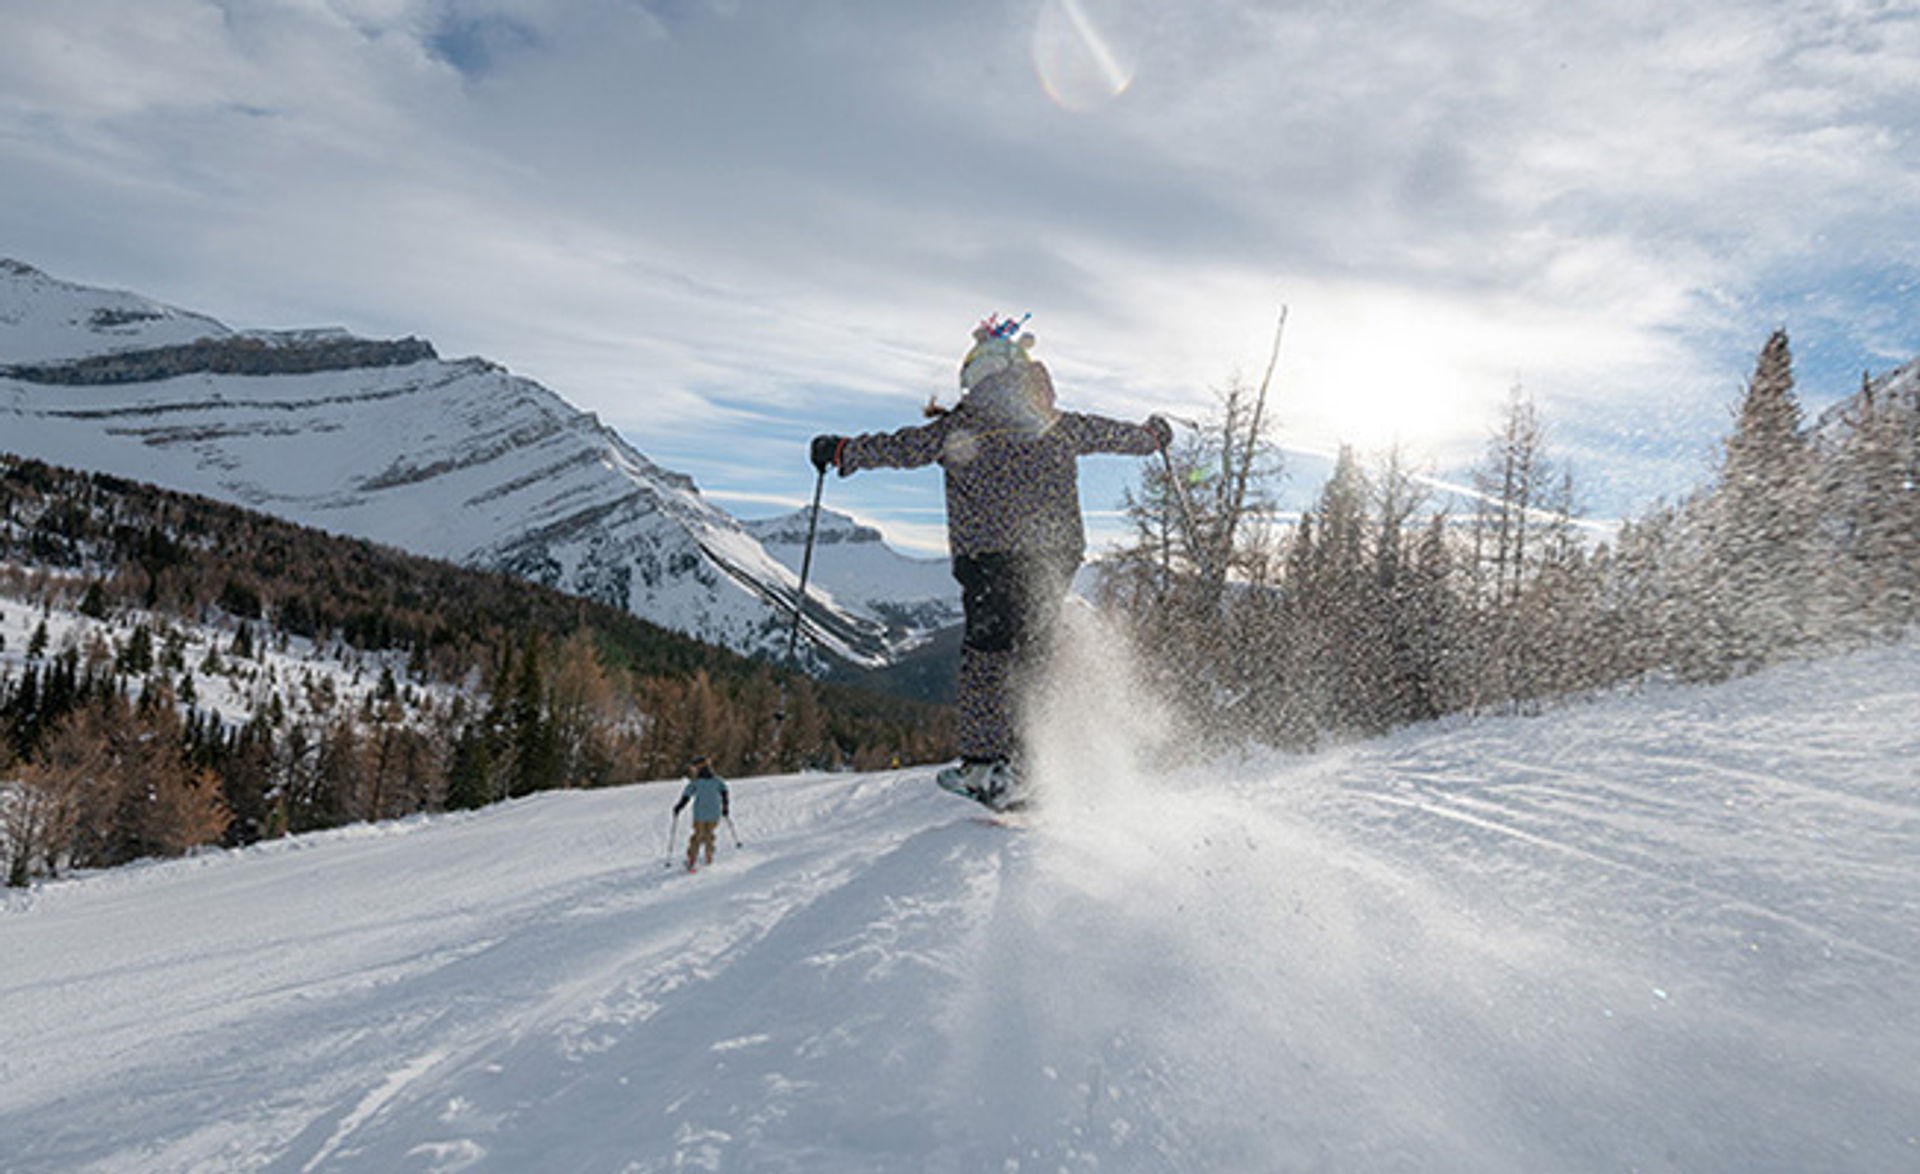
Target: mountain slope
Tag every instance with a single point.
(384, 440)
(854, 564)
(44, 320)
(1669, 931)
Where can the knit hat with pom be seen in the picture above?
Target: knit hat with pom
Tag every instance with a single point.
(997, 346)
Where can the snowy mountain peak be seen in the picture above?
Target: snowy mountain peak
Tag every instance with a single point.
(46, 320)
(857, 567)
(383, 439)
(791, 529)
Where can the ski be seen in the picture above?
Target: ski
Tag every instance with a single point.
(1006, 807)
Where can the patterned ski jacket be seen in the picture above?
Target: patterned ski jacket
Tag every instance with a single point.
(1011, 463)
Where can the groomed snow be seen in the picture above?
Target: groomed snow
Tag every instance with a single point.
(1677, 930)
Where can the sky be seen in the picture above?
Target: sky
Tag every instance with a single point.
(724, 227)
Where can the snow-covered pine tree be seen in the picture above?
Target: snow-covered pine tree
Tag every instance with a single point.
(1872, 503)
(1762, 585)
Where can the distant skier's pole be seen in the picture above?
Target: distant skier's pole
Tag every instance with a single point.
(673, 833)
(731, 830)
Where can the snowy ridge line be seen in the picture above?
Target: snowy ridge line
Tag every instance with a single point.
(290, 353)
(223, 404)
(859, 645)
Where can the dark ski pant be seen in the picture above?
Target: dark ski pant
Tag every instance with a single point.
(702, 835)
(1012, 604)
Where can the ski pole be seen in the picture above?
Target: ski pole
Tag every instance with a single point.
(1179, 492)
(673, 833)
(806, 566)
(731, 830)
(800, 599)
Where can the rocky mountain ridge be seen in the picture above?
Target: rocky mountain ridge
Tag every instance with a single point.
(457, 459)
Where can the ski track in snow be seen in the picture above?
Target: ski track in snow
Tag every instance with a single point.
(1675, 930)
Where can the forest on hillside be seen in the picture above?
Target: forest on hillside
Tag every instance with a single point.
(1388, 603)
(479, 687)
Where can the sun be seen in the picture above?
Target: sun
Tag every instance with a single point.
(1410, 381)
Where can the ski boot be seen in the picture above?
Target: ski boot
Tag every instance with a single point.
(990, 782)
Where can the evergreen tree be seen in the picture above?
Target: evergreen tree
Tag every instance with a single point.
(1407, 576)
(470, 771)
(1873, 500)
(1761, 518)
(1331, 605)
(535, 750)
(93, 604)
(136, 657)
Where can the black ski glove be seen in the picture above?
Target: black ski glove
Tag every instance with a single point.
(826, 451)
(1162, 432)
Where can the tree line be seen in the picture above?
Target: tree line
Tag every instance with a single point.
(362, 683)
(1390, 601)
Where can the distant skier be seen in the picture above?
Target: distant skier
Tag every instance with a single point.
(711, 803)
(1013, 529)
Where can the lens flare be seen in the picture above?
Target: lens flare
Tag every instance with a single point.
(1079, 64)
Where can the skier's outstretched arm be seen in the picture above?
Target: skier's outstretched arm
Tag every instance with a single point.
(1102, 434)
(908, 448)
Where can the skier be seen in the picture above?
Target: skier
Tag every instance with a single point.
(708, 794)
(1014, 531)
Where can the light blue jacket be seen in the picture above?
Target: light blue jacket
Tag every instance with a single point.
(709, 794)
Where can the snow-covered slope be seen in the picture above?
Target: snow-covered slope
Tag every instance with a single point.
(855, 565)
(454, 459)
(44, 319)
(314, 683)
(1672, 931)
